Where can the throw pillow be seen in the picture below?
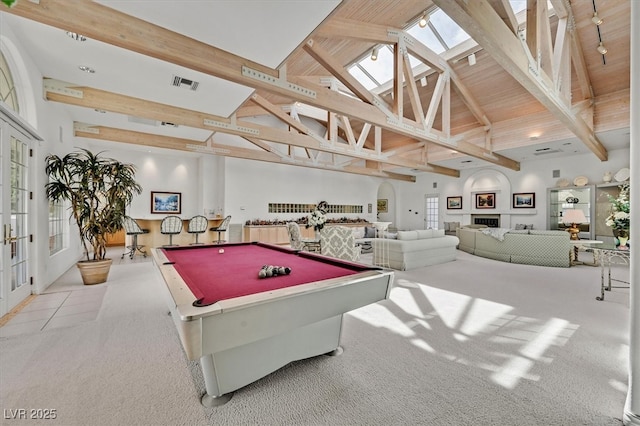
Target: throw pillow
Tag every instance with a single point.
(447, 226)
(358, 232)
(369, 232)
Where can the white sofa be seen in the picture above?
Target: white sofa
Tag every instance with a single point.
(414, 249)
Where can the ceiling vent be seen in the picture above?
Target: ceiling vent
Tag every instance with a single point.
(185, 83)
(544, 151)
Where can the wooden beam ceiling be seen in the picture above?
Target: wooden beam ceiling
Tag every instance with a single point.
(487, 28)
(93, 98)
(110, 26)
(212, 148)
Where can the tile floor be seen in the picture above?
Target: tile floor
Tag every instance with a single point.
(59, 309)
(65, 302)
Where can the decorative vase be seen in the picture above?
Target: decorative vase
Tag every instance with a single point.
(317, 235)
(622, 238)
(607, 177)
(94, 271)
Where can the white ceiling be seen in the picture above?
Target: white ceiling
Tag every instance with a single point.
(262, 31)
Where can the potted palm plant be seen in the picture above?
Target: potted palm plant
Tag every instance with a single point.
(98, 190)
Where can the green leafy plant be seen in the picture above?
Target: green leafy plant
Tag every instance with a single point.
(99, 189)
(9, 3)
(619, 216)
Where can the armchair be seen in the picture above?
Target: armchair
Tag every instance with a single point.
(297, 242)
(338, 241)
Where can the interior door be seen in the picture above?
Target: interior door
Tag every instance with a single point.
(14, 214)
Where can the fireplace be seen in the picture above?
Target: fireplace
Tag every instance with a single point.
(491, 220)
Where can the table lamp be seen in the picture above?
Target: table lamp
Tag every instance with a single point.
(574, 217)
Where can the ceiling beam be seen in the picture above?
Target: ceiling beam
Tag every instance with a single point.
(210, 147)
(485, 26)
(113, 27)
(87, 97)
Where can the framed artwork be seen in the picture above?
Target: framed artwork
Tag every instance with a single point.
(524, 200)
(166, 202)
(486, 200)
(383, 205)
(454, 202)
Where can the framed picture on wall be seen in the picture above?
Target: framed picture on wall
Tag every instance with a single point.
(454, 202)
(383, 205)
(486, 200)
(166, 202)
(524, 200)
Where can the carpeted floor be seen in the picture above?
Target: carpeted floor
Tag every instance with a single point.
(470, 342)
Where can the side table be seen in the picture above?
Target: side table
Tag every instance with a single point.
(577, 244)
(607, 256)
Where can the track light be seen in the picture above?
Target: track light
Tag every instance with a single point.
(596, 19)
(602, 49)
(374, 54)
(424, 19)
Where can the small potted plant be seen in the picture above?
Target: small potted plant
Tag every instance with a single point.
(98, 190)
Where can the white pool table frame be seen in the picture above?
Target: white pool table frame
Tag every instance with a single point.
(241, 340)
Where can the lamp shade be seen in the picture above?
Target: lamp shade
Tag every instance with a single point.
(573, 216)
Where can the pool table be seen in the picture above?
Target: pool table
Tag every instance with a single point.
(242, 327)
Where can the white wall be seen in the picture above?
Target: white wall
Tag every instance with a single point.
(534, 176)
(252, 185)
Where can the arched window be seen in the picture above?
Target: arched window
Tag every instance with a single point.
(8, 93)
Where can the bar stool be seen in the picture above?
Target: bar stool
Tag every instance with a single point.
(171, 225)
(221, 228)
(197, 225)
(132, 228)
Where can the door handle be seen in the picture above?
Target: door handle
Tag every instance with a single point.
(7, 235)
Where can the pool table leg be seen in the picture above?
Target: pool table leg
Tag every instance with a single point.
(336, 352)
(209, 399)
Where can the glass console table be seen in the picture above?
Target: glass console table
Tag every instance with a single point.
(607, 256)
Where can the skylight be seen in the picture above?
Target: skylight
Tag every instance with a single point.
(440, 35)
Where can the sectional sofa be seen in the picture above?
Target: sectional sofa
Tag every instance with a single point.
(531, 247)
(414, 249)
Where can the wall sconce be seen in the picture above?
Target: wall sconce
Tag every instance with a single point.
(374, 54)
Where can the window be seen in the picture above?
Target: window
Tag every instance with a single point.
(8, 93)
(56, 226)
(431, 211)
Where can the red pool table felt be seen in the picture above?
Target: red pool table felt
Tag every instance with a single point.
(213, 276)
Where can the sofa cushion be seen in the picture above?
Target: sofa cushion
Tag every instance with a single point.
(438, 233)
(451, 226)
(424, 233)
(407, 235)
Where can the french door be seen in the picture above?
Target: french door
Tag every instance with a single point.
(14, 216)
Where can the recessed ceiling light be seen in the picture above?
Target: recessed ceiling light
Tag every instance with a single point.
(86, 69)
